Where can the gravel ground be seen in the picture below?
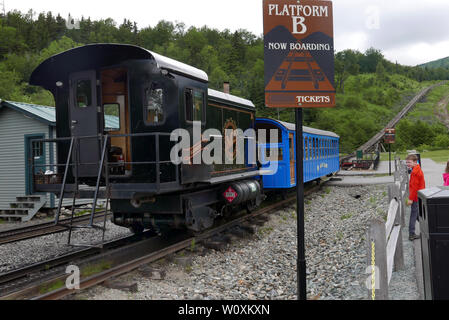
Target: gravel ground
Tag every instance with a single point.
(264, 265)
(26, 252)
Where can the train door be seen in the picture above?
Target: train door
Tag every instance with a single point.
(83, 105)
(291, 140)
(116, 117)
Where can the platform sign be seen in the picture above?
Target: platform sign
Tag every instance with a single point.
(390, 135)
(299, 53)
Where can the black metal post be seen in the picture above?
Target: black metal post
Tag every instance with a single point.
(301, 263)
(389, 159)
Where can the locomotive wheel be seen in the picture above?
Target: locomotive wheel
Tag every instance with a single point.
(251, 205)
(136, 228)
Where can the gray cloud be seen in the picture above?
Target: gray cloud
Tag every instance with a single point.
(402, 24)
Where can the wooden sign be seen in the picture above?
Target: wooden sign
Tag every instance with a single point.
(299, 53)
(390, 136)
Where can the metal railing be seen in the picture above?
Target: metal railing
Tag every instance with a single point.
(74, 162)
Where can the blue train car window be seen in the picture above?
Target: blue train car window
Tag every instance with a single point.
(310, 148)
(320, 148)
(306, 148)
(274, 154)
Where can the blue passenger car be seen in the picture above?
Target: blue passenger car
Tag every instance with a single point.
(321, 153)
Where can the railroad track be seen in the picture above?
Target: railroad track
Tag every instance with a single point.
(393, 122)
(42, 229)
(115, 259)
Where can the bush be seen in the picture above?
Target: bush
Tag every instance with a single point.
(354, 102)
(441, 141)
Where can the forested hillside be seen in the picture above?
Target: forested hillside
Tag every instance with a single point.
(440, 63)
(370, 89)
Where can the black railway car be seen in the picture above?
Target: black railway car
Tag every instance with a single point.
(116, 109)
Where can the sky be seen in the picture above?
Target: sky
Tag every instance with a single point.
(410, 32)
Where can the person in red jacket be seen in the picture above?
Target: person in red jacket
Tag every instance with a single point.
(446, 175)
(416, 183)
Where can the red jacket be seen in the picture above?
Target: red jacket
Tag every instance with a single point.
(416, 183)
(446, 179)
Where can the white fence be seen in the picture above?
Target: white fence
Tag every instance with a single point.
(385, 252)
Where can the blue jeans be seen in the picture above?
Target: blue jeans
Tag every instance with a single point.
(413, 217)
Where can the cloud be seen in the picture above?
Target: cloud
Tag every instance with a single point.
(410, 32)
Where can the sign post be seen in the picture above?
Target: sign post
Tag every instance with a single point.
(299, 73)
(389, 138)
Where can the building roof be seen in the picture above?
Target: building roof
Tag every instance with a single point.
(41, 113)
(46, 114)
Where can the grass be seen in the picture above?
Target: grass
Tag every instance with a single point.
(95, 268)
(346, 216)
(192, 245)
(439, 156)
(51, 287)
(265, 230)
(339, 235)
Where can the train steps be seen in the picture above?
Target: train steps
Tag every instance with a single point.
(23, 209)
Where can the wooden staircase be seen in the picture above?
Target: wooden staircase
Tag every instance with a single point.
(24, 208)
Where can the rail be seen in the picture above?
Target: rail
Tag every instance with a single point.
(378, 136)
(385, 250)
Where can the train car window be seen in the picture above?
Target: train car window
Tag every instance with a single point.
(326, 150)
(306, 148)
(153, 104)
(194, 103)
(189, 104)
(198, 102)
(310, 148)
(83, 93)
(320, 143)
(270, 154)
(320, 147)
(111, 116)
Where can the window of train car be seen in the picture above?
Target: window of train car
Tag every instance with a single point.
(83, 93)
(111, 116)
(153, 104)
(194, 105)
(198, 102)
(274, 154)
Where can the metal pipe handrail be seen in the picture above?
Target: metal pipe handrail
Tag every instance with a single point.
(148, 134)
